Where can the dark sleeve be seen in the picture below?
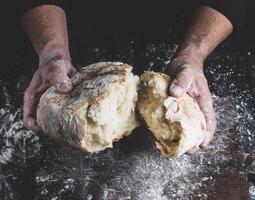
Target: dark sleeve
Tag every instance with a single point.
(237, 11)
(23, 5)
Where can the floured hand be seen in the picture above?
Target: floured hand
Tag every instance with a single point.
(51, 72)
(189, 77)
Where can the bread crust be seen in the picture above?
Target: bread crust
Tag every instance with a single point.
(177, 123)
(99, 110)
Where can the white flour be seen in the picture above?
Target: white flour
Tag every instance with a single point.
(134, 169)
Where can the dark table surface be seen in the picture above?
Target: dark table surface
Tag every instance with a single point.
(33, 167)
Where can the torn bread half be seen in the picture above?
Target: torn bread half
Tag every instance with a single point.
(177, 123)
(98, 111)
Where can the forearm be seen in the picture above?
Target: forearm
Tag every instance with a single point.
(46, 28)
(208, 29)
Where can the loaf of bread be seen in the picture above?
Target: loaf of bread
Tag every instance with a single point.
(99, 110)
(177, 123)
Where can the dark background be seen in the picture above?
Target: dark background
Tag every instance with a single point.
(124, 32)
(112, 26)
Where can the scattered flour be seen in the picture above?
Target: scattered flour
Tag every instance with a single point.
(134, 169)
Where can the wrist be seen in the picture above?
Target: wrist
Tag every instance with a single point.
(53, 53)
(195, 52)
(188, 57)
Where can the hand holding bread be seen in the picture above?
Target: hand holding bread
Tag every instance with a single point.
(102, 107)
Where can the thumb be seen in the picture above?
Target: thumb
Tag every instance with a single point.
(60, 80)
(182, 82)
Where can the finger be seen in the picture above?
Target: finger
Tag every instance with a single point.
(211, 126)
(182, 82)
(193, 150)
(60, 80)
(205, 103)
(31, 100)
(31, 124)
(29, 109)
(210, 118)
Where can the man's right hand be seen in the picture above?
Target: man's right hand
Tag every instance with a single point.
(51, 72)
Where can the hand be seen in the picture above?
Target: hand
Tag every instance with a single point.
(188, 76)
(51, 72)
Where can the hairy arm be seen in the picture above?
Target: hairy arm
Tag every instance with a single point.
(46, 27)
(208, 29)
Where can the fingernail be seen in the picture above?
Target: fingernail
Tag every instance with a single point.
(206, 141)
(203, 146)
(65, 86)
(177, 90)
(33, 126)
(36, 129)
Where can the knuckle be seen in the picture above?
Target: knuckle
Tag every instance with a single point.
(52, 75)
(56, 73)
(180, 81)
(184, 79)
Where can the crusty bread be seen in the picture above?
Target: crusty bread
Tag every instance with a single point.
(177, 123)
(99, 110)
